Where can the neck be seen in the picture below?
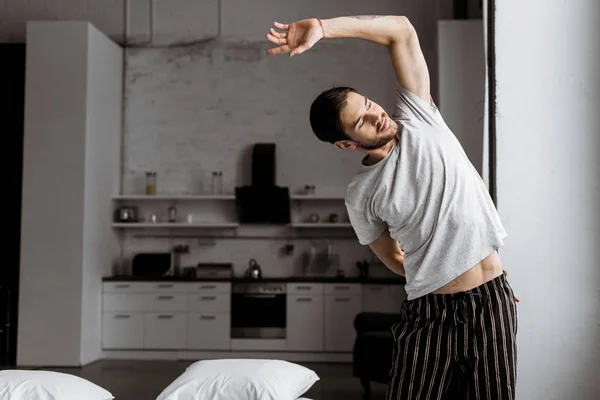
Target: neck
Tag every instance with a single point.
(376, 155)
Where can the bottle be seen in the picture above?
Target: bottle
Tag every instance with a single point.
(172, 214)
(217, 182)
(150, 183)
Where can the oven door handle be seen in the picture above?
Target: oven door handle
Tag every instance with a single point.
(260, 296)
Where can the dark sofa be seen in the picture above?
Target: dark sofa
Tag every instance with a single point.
(372, 353)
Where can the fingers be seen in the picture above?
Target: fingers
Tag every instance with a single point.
(279, 50)
(276, 40)
(278, 34)
(281, 26)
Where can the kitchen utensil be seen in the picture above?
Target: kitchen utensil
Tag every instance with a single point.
(178, 250)
(189, 272)
(126, 214)
(254, 271)
(313, 218)
(363, 268)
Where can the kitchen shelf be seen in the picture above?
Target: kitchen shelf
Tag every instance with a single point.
(315, 197)
(319, 225)
(157, 225)
(175, 197)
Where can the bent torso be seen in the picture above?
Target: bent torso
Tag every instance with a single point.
(486, 270)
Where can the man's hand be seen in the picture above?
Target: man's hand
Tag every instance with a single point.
(296, 37)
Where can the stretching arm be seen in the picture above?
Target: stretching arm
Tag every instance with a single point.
(394, 32)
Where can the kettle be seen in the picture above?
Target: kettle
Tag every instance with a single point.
(253, 271)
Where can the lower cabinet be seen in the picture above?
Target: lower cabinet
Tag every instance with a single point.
(197, 316)
(174, 316)
(340, 311)
(164, 331)
(304, 320)
(209, 331)
(383, 298)
(123, 330)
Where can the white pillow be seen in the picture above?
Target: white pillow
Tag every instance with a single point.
(241, 379)
(48, 385)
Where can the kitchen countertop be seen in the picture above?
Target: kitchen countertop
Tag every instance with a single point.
(291, 279)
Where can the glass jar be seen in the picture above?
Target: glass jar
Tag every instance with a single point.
(217, 182)
(172, 214)
(150, 183)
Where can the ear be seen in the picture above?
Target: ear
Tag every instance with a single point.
(345, 145)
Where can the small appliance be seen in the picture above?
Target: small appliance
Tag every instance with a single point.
(254, 271)
(150, 264)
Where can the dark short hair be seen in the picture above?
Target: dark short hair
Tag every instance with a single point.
(325, 114)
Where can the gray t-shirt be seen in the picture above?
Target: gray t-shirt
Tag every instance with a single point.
(429, 196)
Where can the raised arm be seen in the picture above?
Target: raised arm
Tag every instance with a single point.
(394, 32)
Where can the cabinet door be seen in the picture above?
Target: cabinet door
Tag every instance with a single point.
(304, 325)
(209, 331)
(383, 298)
(340, 312)
(164, 331)
(122, 330)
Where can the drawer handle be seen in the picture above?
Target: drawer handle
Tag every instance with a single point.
(376, 289)
(342, 288)
(122, 286)
(165, 286)
(304, 299)
(208, 287)
(165, 317)
(165, 297)
(303, 287)
(122, 316)
(344, 300)
(208, 298)
(208, 317)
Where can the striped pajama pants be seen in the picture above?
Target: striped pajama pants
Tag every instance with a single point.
(456, 346)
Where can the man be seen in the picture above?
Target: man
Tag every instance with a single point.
(423, 209)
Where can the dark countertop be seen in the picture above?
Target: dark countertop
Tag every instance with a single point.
(291, 279)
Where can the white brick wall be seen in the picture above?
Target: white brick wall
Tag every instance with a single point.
(194, 105)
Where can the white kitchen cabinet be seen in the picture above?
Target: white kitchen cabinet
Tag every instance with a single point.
(384, 298)
(304, 288)
(209, 287)
(123, 302)
(165, 302)
(122, 330)
(340, 312)
(167, 316)
(164, 331)
(304, 325)
(208, 331)
(219, 302)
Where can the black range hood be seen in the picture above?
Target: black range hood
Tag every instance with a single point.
(263, 202)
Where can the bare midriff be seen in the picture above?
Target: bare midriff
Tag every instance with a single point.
(484, 271)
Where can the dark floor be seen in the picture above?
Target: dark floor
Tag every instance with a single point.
(144, 380)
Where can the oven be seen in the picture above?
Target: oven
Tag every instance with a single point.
(258, 310)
